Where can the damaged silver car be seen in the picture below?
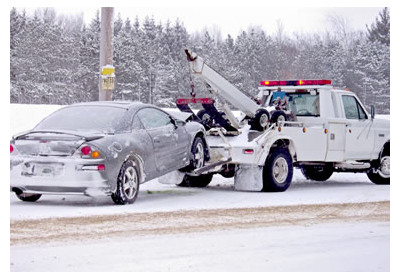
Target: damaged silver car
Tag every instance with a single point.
(103, 147)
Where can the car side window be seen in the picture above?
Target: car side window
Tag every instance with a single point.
(153, 118)
(136, 124)
(352, 108)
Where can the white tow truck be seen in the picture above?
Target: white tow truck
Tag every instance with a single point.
(298, 123)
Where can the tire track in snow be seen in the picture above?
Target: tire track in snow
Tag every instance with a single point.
(152, 223)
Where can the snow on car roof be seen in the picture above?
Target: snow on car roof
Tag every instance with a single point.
(121, 104)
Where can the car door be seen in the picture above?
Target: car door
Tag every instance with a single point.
(163, 135)
(359, 136)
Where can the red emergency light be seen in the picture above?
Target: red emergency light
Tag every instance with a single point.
(295, 82)
(185, 101)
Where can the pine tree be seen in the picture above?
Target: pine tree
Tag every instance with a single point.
(380, 30)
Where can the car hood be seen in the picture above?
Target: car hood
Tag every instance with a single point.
(180, 115)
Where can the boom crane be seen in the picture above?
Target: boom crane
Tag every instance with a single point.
(259, 117)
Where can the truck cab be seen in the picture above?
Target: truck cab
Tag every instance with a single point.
(352, 139)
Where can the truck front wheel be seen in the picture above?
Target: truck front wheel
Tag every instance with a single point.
(277, 171)
(382, 174)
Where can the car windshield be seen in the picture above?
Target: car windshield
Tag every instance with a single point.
(103, 119)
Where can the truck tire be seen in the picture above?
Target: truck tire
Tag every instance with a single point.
(260, 120)
(278, 116)
(196, 181)
(127, 184)
(381, 176)
(317, 173)
(28, 197)
(277, 171)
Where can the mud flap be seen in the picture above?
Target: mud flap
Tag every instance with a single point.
(249, 178)
(174, 177)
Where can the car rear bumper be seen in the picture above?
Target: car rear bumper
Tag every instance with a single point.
(47, 175)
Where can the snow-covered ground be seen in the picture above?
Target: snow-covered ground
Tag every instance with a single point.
(337, 246)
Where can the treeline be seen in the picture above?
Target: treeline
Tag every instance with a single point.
(55, 59)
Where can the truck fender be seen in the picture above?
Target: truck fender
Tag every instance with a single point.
(286, 142)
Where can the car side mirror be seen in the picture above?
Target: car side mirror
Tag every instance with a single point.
(372, 112)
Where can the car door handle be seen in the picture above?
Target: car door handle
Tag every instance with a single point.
(156, 140)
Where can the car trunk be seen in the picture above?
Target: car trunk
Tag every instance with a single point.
(49, 144)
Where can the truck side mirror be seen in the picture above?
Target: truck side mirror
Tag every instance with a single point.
(372, 111)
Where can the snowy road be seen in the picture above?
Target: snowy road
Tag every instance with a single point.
(340, 225)
(134, 224)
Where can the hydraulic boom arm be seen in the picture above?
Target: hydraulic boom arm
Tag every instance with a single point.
(221, 86)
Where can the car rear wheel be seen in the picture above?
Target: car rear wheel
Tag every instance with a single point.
(127, 184)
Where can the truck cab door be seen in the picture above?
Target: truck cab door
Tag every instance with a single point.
(359, 134)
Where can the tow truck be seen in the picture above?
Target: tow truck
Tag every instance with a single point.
(306, 124)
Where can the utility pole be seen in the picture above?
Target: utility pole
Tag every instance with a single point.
(107, 76)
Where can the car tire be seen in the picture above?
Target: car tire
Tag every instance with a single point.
(381, 176)
(198, 154)
(260, 121)
(200, 181)
(127, 184)
(277, 171)
(317, 173)
(28, 197)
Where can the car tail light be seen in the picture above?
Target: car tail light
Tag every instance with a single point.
(95, 154)
(101, 167)
(11, 148)
(86, 150)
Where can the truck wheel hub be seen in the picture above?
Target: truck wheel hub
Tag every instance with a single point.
(384, 170)
(280, 170)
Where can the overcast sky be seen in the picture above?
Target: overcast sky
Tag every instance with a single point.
(232, 17)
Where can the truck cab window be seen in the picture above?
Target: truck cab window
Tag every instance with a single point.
(304, 104)
(352, 108)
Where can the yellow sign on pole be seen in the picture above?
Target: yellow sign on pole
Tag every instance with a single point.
(107, 77)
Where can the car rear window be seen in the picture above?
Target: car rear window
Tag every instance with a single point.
(84, 118)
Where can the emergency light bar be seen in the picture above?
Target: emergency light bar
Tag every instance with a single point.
(295, 82)
(185, 101)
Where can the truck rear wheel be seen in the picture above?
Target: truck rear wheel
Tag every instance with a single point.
(317, 173)
(277, 171)
(196, 181)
